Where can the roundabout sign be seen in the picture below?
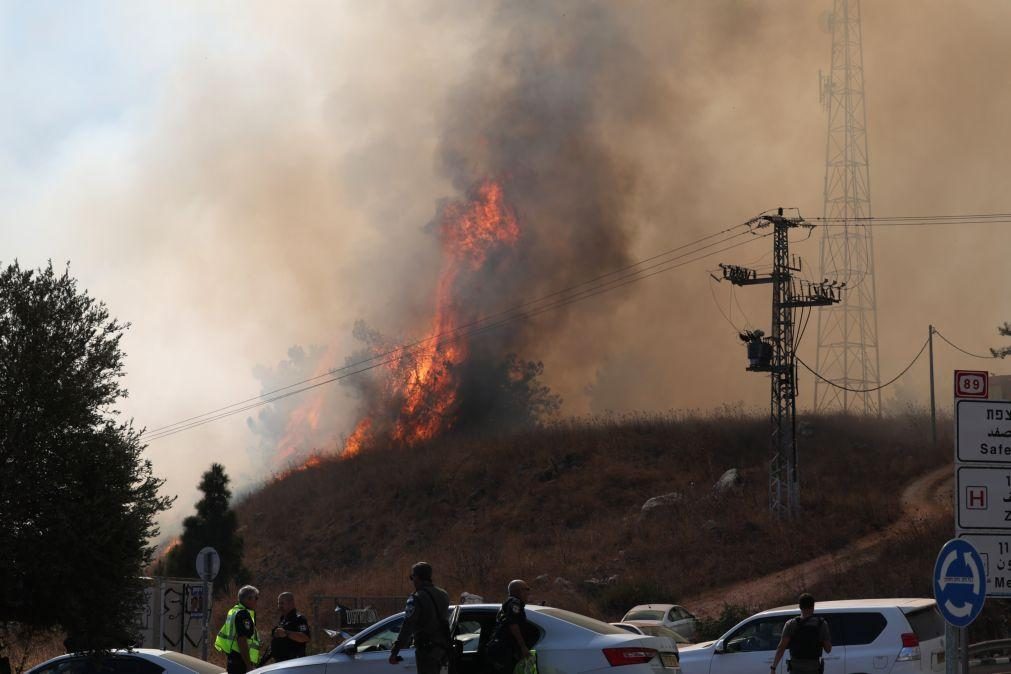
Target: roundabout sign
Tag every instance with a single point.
(959, 582)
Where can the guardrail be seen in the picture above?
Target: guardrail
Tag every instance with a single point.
(994, 652)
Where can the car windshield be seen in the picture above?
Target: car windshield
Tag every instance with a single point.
(583, 621)
(190, 662)
(644, 615)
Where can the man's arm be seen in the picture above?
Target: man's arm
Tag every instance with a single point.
(784, 643)
(406, 630)
(244, 630)
(826, 637)
(244, 652)
(298, 637)
(517, 633)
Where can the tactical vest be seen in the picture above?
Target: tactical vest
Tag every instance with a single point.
(227, 641)
(805, 644)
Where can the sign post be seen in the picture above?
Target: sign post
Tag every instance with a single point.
(208, 565)
(960, 591)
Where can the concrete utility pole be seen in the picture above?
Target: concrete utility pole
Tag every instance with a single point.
(847, 352)
(777, 354)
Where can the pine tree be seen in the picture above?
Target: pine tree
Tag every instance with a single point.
(1004, 351)
(214, 525)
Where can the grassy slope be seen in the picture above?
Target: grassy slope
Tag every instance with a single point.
(565, 503)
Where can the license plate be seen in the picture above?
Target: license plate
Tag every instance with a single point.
(669, 661)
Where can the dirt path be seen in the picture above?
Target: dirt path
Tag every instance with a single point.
(928, 495)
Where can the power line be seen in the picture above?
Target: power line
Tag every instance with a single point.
(869, 390)
(401, 348)
(915, 220)
(958, 348)
(509, 316)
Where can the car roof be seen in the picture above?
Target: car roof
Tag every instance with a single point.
(906, 604)
(654, 607)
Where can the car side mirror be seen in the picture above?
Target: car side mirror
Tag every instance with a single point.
(350, 647)
(720, 649)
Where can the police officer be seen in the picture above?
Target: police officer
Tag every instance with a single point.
(508, 644)
(238, 637)
(290, 636)
(806, 636)
(426, 618)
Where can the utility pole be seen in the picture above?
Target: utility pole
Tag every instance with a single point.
(933, 408)
(777, 354)
(847, 352)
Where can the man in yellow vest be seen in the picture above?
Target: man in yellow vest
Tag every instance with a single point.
(238, 638)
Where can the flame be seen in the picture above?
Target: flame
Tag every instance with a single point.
(427, 379)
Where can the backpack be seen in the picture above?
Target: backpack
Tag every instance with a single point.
(806, 643)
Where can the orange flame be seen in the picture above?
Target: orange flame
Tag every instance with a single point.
(427, 379)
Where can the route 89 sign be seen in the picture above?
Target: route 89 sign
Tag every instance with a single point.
(959, 582)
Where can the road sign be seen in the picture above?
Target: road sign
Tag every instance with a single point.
(995, 550)
(208, 563)
(984, 497)
(971, 383)
(983, 431)
(959, 582)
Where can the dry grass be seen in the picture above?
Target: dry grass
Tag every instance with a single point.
(565, 502)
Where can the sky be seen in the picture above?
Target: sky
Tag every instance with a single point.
(240, 179)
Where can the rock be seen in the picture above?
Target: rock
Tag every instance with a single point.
(728, 482)
(710, 526)
(662, 501)
(563, 584)
(543, 578)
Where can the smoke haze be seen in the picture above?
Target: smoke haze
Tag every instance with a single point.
(264, 176)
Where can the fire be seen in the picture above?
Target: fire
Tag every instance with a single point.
(426, 379)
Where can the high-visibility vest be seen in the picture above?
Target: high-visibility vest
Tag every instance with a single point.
(227, 641)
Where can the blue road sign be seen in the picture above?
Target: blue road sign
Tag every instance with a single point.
(959, 582)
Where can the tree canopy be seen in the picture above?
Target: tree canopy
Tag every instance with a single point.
(77, 499)
(1004, 351)
(215, 524)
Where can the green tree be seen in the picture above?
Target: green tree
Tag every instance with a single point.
(1004, 351)
(215, 525)
(77, 499)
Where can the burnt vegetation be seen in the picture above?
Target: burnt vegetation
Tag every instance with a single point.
(562, 506)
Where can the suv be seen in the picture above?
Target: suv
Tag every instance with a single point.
(883, 636)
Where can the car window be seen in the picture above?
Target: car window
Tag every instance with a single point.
(855, 629)
(643, 615)
(468, 633)
(927, 623)
(672, 614)
(762, 634)
(381, 639)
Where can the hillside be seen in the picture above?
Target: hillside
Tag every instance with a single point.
(562, 507)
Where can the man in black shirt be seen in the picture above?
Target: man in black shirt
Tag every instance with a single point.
(426, 619)
(508, 644)
(290, 636)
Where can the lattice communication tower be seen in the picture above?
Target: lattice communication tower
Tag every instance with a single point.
(848, 331)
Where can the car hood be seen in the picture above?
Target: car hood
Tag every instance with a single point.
(318, 659)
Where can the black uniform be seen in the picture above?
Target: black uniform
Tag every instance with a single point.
(426, 618)
(243, 628)
(503, 650)
(283, 648)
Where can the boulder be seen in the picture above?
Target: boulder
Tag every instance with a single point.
(728, 482)
(662, 501)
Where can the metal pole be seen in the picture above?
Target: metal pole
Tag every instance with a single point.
(950, 649)
(207, 619)
(964, 643)
(933, 408)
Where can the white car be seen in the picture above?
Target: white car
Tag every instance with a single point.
(671, 616)
(884, 636)
(139, 661)
(568, 643)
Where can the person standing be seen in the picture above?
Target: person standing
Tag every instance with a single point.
(508, 644)
(426, 618)
(238, 637)
(291, 635)
(806, 636)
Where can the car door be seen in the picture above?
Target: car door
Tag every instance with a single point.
(371, 652)
(683, 622)
(750, 648)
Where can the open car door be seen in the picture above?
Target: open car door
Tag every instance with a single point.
(456, 647)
